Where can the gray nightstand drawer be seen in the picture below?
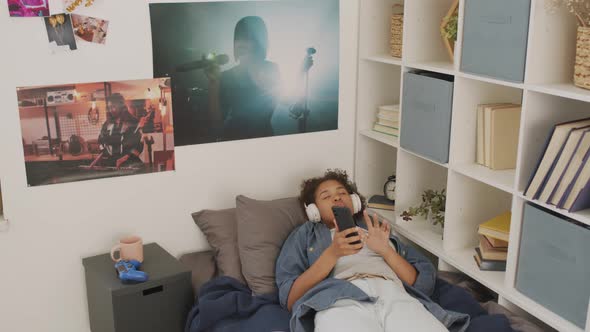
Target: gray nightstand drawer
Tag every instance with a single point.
(160, 304)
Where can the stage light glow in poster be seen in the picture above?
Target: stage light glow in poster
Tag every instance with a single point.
(248, 69)
(76, 132)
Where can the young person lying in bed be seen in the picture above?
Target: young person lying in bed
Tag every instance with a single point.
(377, 285)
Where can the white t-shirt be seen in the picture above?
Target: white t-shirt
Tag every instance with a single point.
(365, 261)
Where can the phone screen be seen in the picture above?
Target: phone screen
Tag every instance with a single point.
(345, 220)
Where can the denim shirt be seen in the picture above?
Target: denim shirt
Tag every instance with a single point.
(306, 244)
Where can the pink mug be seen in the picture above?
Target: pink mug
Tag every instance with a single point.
(130, 247)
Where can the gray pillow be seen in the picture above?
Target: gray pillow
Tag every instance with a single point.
(202, 265)
(263, 227)
(220, 228)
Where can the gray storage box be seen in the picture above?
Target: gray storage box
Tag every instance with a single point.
(554, 263)
(426, 114)
(495, 37)
(160, 304)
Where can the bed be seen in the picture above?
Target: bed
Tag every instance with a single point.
(234, 282)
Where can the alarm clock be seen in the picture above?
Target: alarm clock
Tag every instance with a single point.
(389, 188)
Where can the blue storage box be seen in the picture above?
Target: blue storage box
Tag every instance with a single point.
(495, 37)
(554, 263)
(426, 114)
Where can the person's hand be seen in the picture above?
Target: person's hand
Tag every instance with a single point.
(341, 245)
(377, 236)
(122, 160)
(142, 122)
(213, 73)
(307, 64)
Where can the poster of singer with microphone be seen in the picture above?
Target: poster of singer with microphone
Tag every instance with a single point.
(243, 70)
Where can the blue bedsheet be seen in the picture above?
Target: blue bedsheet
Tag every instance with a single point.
(226, 305)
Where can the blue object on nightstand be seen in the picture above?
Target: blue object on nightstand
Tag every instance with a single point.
(129, 271)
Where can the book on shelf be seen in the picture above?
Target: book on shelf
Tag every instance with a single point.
(388, 112)
(572, 146)
(388, 123)
(551, 152)
(577, 194)
(386, 130)
(488, 264)
(381, 202)
(488, 251)
(497, 133)
(389, 108)
(497, 227)
(571, 171)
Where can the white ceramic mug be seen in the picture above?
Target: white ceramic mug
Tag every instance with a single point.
(130, 247)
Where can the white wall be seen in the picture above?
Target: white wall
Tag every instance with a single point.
(53, 227)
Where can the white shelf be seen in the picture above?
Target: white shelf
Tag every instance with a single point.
(490, 80)
(581, 216)
(380, 137)
(416, 230)
(425, 158)
(464, 261)
(566, 90)
(503, 179)
(385, 58)
(442, 67)
(475, 193)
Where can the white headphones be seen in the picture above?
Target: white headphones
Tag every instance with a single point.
(313, 213)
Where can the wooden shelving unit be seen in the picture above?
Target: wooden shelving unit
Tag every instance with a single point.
(474, 193)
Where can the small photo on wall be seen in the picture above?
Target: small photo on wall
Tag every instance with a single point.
(28, 8)
(77, 132)
(90, 29)
(71, 6)
(60, 33)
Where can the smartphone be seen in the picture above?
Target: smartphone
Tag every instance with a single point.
(344, 220)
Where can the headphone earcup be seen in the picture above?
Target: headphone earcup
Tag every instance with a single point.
(313, 213)
(357, 205)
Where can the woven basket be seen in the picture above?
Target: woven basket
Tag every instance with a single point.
(582, 67)
(397, 27)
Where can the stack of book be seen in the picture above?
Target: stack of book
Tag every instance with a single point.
(497, 135)
(493, 243)
(562, 173)
(381, 202)
(387, 121)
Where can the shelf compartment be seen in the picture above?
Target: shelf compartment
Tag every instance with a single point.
(552, 47)
(383, 138)
(423, 41)
(378, 161)
(503, 180)
(375, 28)
(414, 176)
(542, 113)
(469, 204)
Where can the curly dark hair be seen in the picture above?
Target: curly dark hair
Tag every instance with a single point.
(309, 186)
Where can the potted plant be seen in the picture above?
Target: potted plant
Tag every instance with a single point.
(432, 208)
(580, 10)
(449, 27)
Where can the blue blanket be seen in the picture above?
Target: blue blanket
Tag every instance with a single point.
(224, 305)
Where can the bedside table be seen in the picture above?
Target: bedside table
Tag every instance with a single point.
(160, 304)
